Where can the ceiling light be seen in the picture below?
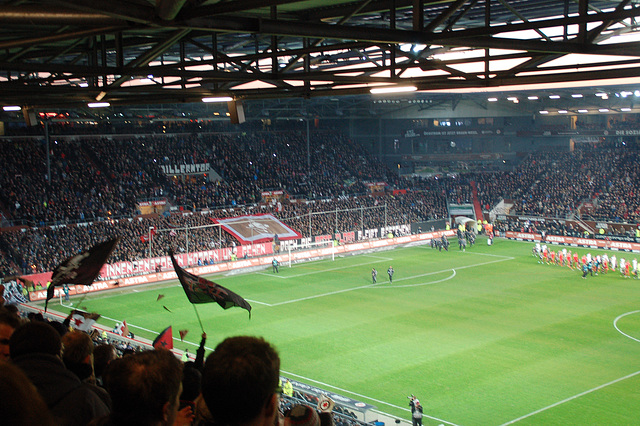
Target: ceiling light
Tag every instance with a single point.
(604, 110)
(554, 96)
(394, 89)
(98, 104)
(577, 95)
(512, 99)
(11, 108)
(562, 111)
(583, 111)
(493, 99)
(544, 112)
(101, 96)
(625, 109)
(533, 98)
(218, 99)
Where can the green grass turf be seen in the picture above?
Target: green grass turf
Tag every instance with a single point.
(483, 337)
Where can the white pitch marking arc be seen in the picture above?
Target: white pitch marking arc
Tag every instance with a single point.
(331, 293)
(453, 274)
(628, 376)
(286, 277)
(615, 325)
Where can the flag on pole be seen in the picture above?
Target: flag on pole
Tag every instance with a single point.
(82, 268)
(164, 340)
(83, 321)
(182, 334)
(325, 404)
(160, 296)
(200, 290)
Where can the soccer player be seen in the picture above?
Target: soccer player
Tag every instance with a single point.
(576, 260)
(445, 242)
(374, 275)
(390, 272)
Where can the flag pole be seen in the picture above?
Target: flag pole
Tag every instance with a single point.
(198, 315)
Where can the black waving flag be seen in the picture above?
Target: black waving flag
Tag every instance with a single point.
(82, 268)
(200, 290)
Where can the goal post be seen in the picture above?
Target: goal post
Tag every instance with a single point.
(317, 249)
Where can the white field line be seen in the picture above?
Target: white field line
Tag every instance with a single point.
(322, 271)
(383, 285)
(615, 325)
(571, 398)
(326, 385)
(154, 332)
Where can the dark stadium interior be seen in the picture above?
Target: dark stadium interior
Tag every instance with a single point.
(525, 111)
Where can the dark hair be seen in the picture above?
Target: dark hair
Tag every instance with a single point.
(141, 384)
(35, 337)
(102, 356)
(77, 347)
(21, 404)
(238, 379)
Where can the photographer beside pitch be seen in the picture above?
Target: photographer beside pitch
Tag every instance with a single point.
(416, 410)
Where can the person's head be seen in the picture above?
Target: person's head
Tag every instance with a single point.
(240, 381)
(102, 357)
(21, 404)
(145, 388)
(77, 353)
(8, 323)
(35, 337)
(302, 415)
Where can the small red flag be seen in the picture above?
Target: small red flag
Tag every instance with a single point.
(182, 334)
(164, 340)
(160, 296)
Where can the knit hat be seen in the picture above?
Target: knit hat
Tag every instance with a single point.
(303, 415)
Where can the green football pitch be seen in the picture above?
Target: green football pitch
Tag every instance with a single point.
(487, 336)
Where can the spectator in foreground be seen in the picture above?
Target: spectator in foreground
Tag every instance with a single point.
(240, 382)
(8, 323)
(78, 358)
(145, 389)
(36, 349)
(21, 405)
(302, 415)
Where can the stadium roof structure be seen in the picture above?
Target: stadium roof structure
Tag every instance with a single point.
(272, 54)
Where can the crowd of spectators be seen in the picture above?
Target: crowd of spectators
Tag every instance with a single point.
(94, 185)
(556, 184)
(77, 377)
